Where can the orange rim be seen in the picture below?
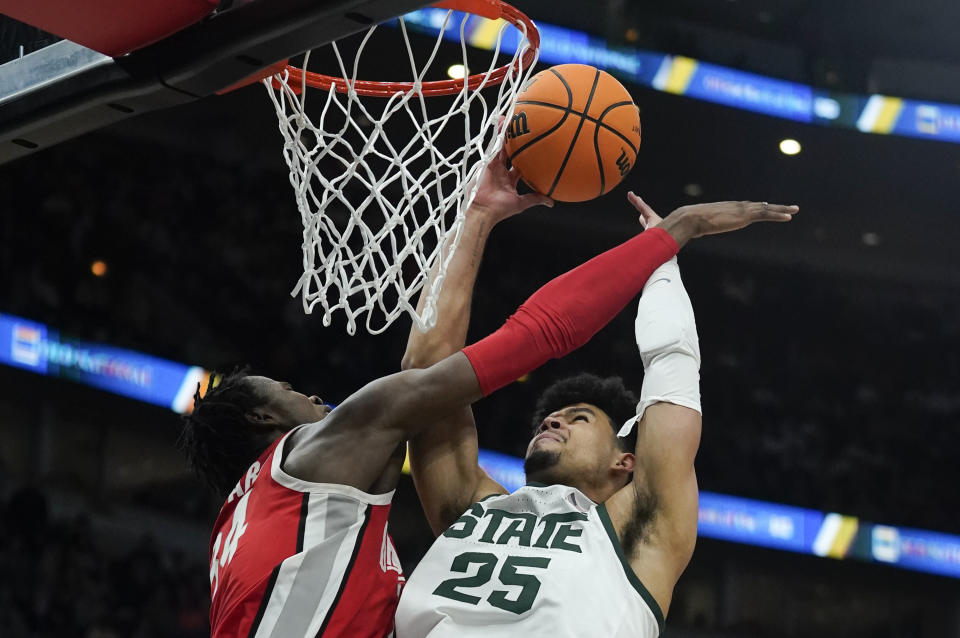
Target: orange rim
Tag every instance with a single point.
(491, 9)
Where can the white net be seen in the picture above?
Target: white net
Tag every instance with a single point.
(383, 183)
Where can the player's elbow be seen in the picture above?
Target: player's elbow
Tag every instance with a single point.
(403, 394)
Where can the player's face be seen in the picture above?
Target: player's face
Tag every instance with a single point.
(286, 408)
(571, 445)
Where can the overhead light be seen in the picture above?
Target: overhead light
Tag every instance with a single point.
(98, 268)
(457, 71)
(871, 239)
(789, 147)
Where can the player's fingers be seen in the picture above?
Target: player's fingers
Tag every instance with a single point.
(775, 212)
(781, 209)
(514, 175)
(639, 204)
(502, 158)
(535, 199)
(772, 208)
(649, 216)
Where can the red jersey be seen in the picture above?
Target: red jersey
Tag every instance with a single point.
(290, 558)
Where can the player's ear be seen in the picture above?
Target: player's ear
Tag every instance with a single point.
(625, 462)
(261, 416)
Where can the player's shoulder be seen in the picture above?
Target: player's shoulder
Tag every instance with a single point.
(302, 433)
(487, 487)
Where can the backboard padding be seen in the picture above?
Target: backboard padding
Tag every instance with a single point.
(191, 64)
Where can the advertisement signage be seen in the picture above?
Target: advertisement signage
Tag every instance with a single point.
(33, 346)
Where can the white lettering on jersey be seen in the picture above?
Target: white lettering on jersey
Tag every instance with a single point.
(238, 525)
(215, 566)
(389, 559)
(244, 484)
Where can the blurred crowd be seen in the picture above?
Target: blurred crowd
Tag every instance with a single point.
(60, 579)
(837, 395)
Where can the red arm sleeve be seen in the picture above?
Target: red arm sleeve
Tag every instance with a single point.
(565, 313)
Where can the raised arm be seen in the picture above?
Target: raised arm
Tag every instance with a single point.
(444, 456)
(663, 496)
(668, 431)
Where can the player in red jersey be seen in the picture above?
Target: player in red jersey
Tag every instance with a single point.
(301, 546)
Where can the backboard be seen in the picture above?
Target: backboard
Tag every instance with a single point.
(63, 90)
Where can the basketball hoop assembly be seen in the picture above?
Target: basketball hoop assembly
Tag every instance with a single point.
(379, 214)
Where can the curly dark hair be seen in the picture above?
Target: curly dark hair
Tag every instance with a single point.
(219, 441)
(609, 394)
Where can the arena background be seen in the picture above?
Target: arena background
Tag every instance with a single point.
(830, 347)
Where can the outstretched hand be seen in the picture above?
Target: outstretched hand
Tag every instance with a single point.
(713, 218)
(497, 195)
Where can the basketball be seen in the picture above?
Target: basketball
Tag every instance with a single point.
(574, 134)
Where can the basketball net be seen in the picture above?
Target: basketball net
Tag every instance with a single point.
(379, 213)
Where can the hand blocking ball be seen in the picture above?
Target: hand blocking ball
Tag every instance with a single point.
(575, 133)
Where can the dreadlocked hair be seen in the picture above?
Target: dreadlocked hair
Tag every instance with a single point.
(609, 394)
(217, 438)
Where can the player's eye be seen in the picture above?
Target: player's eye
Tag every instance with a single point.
(579, 417)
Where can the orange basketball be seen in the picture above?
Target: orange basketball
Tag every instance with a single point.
(574, 134)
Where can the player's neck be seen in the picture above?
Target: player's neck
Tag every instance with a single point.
(596, 493)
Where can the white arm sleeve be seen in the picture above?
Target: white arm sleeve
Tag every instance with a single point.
(666, 334)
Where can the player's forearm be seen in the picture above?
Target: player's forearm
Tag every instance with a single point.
(568, 311)
(453, 304)
(666, 334)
